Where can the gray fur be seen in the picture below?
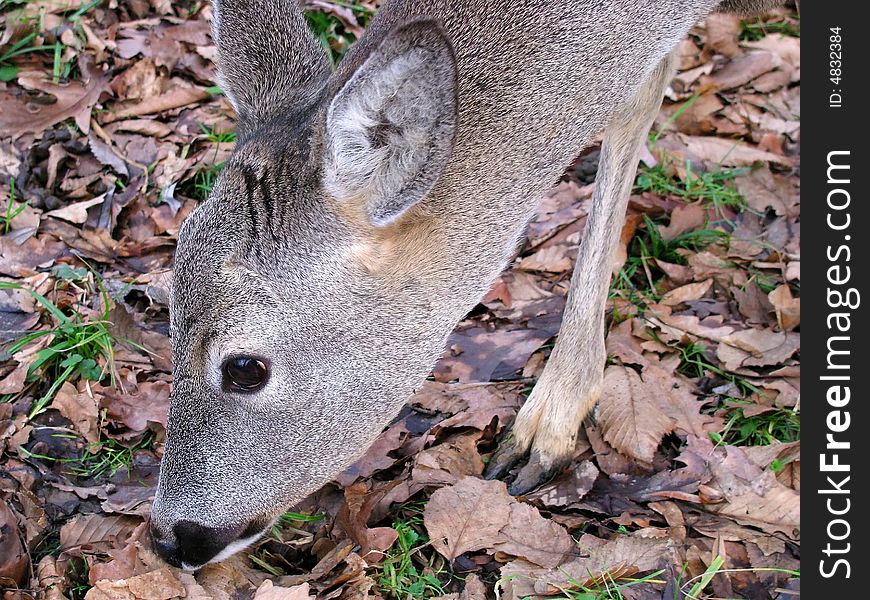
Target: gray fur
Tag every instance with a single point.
(390, 129)
(329, 275)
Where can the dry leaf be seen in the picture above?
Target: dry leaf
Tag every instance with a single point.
(74, 100)
(467, 516)
(269, 591)
(630, 419)
(530, 536)
(691, 291)
(788, 308)
(14, 560)
(76, 212)
(160, 584)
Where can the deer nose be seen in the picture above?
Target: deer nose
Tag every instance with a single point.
(191, 544)
(165, 547)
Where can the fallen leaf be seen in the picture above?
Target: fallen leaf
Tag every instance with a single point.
(76, 212)
(532, 537)
(14, 560)
(269, 591)
(623, 556)
(691, 291)
(630, 419)
(723, 30)
(686, 217)
(159, 584)
(743, 69)
(97, 532)
(80, 408)
(467, 516)
(480, 354)
(787, 307)
(74, 100)
(757, 348)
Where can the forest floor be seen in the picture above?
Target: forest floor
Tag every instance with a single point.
(686, 484)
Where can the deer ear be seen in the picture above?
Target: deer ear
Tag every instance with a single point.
(391, 126)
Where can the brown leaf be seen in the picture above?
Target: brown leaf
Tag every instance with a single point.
(179, 93)
(160, 584)
(753, 495)
(467, 516)
(723, 30)
(377, 456)
(148, 403)
(788, 308)
(354, 516)
(530, 536)
(51, 581)
(550, 259)
(14, 560)
(686, 217)
(124, 327)
(623, 556)
(718, 151)
(757, 348)
(743, 69)
(629, 416)
(691, 291)
(76, 212)
(567, 490)
(479, 354)
(483, 403)
(124, 563)
(80, 408)
(753, 303)
(445, 463)
(269, 591)
(74, 99)
(97, 532)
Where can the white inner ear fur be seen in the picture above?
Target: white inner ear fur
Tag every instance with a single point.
(390, 103)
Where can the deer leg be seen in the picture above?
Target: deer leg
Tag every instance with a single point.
(547, 425)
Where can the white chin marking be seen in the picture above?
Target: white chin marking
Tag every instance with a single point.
(227, 552)
(236, 546)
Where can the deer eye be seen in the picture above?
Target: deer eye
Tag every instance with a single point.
(244, 374)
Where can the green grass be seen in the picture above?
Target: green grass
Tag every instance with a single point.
(716, 567)
(8, 70)
(608, 588)
(331, 32)
(288, 523)
(779, 425)
(107, 457)
(410, 570)
(13, 207)
(78, 347)
(639, 279)
(199, 187)
(61, 69)
(605, 588)
(752, 31)
(292, 521)
(77, 575)
(217, 137)
(101, 459)
(713, 188)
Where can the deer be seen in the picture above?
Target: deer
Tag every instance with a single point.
(365, 211)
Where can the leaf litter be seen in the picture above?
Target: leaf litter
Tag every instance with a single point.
(113, 131)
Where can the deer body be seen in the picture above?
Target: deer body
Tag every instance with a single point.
(364, 213)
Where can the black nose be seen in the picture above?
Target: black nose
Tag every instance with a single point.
(192, 544)
(165, 547)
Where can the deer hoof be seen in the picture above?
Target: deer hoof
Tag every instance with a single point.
(508, 454)
(537, 471)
